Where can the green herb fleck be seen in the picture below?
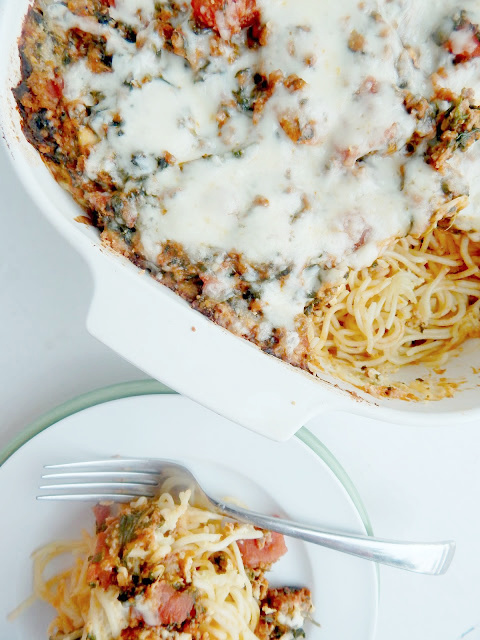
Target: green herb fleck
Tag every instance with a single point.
(243, 99)
(128, 525)
(97, 557)
(463, 139)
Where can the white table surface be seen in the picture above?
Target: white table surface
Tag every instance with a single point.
(416, 483)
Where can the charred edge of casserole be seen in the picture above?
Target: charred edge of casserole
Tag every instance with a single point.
(177, 272)
(44, 121)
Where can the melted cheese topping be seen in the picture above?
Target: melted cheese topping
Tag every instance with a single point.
(311, 207)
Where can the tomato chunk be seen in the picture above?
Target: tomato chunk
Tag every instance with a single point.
(100, 570)
(174, 607)
(464, 43)
(102, 512)
(263, 551)
(225, 16)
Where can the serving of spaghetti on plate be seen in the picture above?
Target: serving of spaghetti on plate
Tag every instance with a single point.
(304, 176)
(169, 568)
(344, 589)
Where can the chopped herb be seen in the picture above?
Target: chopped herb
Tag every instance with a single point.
(244, 94)
(284, 272)
(309, 308)
(243, 100)
(106, 60)
(101, 18)
(128, 235)
(98, 557)
(298, 633)
(464, 138)
(445, 188)
(162, 79)
(202, 72)
(130, 35)
(91, 636)
(162, 163)
(137, 159)
(98, 96)
(128, 525)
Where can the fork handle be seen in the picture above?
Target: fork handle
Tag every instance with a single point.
(428, 558)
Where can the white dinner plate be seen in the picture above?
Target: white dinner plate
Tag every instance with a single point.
(288, 479)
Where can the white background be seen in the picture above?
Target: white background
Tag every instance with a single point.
(416, 483)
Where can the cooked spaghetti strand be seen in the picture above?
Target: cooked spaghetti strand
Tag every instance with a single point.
(417, 304)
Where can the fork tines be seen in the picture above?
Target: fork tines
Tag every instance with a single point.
(119, 480)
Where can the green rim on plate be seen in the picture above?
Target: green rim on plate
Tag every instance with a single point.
(151, 387)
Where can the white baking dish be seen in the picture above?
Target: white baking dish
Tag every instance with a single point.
(158, 332)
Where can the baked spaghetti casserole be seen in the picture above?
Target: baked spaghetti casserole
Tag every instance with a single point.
(305, 174)
(169, 569)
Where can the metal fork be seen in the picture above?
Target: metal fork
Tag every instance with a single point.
(124, 480)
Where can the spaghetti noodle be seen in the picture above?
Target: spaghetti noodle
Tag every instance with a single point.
(416, 304)
(167, 569)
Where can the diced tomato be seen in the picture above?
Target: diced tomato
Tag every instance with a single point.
(98, 570)
(464, 43)
(108, 3)
(263, 551)
(101, 546)
(225, 16)
(102, 512)
(174, 607)
(104, 577)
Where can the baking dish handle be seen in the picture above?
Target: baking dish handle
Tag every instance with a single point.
(158, 332)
